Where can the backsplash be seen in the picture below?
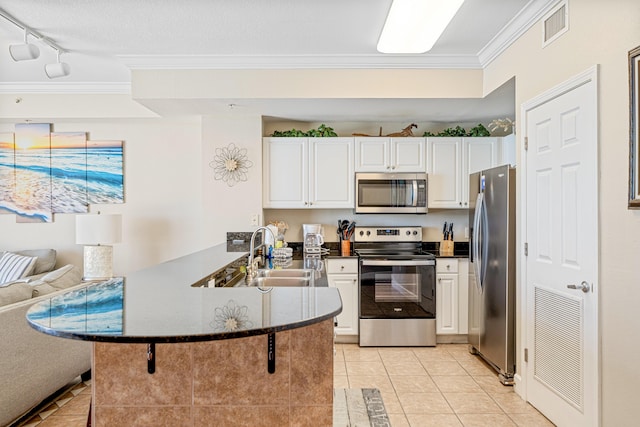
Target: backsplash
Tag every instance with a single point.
(431, 223)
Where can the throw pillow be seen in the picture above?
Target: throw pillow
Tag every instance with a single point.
(64, 277)
(15, 292)
(14, 267)
(46, 259)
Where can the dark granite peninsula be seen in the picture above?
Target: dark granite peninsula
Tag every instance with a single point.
(167, 351)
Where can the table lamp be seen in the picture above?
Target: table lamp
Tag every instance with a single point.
(97, 233)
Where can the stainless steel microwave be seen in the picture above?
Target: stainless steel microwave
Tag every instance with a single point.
(391, 193)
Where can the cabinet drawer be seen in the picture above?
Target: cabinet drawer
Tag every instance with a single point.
(446, 265)
(342, 265)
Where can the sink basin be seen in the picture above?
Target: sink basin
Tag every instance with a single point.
(286, 272)
(266, 278)
(270, 282)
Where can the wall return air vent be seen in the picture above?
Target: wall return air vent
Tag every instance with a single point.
(555, 23)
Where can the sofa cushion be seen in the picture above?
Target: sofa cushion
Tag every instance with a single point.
(14, 267)
(14, 292)
(62, 278)
(40, 288)
(46, 259)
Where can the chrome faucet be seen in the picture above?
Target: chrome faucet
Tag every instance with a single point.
(253, 264)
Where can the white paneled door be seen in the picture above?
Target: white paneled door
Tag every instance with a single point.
(561, 267)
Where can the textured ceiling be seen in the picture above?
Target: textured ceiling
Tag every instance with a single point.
(105, 38)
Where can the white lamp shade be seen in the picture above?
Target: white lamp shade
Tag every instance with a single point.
(24, 52)
(98, 229)
(57, 69)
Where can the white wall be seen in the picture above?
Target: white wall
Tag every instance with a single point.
(162, 213)
(230, 208)
(600, 33)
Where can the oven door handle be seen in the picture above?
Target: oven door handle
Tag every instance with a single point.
(387, 262)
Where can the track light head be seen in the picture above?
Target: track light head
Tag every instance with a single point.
(57, 69)
(24, 51)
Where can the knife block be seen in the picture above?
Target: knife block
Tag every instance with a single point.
(446, 247)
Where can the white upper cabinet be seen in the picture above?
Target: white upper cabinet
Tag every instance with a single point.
(384, 154)
(444, 168)
(303, 173)
(285, 172)
(450, 161)
(479, 154)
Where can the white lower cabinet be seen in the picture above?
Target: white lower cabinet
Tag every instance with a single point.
(342, 273)
(452, 297)
(447, 296)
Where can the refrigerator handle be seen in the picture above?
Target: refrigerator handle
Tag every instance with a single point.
(475, 248)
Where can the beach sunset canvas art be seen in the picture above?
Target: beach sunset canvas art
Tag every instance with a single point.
(44, 172)
(31, 196)
(69, 172)
(105, 180)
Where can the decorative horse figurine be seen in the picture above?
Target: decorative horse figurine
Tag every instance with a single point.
(404, 132)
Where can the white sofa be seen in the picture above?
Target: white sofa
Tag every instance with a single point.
(34, 365)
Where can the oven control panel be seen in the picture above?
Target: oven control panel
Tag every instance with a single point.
(388, 234)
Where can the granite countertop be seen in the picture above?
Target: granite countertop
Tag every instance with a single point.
(165, 304)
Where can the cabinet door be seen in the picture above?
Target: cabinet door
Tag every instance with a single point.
(444, 161)
(446, 304)
(347, 285)
(285, 173)
(408, 155)
(479, 154)
(372, 154)
(331, 173)
(508, 150)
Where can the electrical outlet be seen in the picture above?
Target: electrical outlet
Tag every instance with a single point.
(466, 232)
(255, 220)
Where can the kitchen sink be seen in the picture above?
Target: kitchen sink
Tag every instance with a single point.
(266, 278)
(304, 273)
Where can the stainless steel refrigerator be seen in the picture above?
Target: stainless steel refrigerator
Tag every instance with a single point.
(492, 268)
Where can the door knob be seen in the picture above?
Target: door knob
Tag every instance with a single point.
(584, 286)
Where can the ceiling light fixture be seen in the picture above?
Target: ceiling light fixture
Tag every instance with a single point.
(24, 51)
(57, 69)
(27, 51)
(413, 26)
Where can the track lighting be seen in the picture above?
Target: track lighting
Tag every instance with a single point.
(57, 69)
(25, 51)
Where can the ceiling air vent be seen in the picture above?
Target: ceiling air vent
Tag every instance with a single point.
(556, 23)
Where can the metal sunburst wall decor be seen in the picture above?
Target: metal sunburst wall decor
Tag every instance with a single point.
(231, 164)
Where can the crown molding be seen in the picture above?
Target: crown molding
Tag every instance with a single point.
(521, 23)
(224, 62)
(119, 88)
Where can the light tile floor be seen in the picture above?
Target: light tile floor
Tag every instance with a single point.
(421, 387)
(434, 386)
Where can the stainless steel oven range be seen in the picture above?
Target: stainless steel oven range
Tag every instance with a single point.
(397, 286)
